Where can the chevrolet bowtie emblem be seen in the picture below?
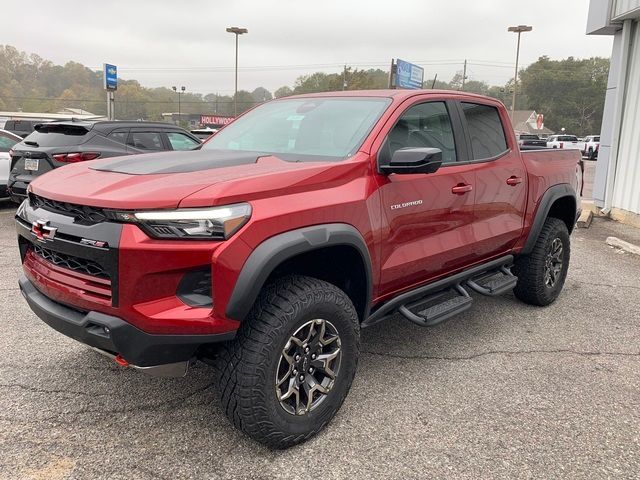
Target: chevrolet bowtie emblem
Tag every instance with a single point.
(42, 230)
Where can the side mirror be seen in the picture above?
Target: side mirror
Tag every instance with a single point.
(414, 160)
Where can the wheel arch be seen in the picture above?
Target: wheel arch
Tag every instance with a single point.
(559, 201)
(305, 251)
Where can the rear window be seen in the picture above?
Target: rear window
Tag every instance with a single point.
(58, 135)
(19, 125)
(529, 137)
(485, 130)
(567, 138)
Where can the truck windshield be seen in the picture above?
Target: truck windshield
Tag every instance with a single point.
(303, 129)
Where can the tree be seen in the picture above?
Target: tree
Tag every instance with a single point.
(282, 92)
(435, 84)
(570, 92)
(476, 86)
(261, 94)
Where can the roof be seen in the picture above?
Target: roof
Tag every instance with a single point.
(399, 94)
(107, 126)
(524, 121)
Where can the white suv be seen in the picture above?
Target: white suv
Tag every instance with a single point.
(563, 141)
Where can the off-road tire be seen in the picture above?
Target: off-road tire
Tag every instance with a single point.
(246, 367)
(530, 269)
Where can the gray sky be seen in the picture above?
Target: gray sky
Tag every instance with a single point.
(164, 43)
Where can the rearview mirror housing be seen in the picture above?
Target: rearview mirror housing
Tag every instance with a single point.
(414, 160)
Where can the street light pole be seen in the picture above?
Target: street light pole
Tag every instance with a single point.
(237, 32)
(182, 89)
(519, 29)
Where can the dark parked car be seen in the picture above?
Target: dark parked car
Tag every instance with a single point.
(56, 144)
(531, 140)
(21, 127)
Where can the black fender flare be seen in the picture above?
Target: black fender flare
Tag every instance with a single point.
(275, 250)
(548, 198)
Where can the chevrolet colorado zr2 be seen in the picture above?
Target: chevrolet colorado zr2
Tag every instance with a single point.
(307, 219)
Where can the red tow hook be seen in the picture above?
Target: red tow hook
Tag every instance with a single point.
(121, 361)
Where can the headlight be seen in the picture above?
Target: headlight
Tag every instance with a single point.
(217, 223)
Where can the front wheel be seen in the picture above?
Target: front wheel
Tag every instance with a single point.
(292, 363)
(542, 273)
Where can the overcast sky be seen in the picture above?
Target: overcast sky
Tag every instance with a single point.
(165, 43)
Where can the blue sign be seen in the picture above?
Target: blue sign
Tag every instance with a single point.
(110, 77)
(408, 75)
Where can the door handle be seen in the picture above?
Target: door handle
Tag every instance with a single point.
(462, 188)
(513, 180)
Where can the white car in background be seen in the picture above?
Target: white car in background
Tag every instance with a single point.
(590, 146)
(563, 141)
(7, 141)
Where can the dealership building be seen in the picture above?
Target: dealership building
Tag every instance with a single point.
(617, 184)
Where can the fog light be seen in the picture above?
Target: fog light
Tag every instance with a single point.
(195, 288)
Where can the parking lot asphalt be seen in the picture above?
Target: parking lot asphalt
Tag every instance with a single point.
(504, 390)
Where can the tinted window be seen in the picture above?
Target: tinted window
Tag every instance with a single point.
(424, 125)
(303, 128)
(119, 136)
(179, 141)
(485, 130)
(6, 143)
(58, 137)
(568, 138)
(146, 141)
(23, 126)
(529, 137)
(596, 139)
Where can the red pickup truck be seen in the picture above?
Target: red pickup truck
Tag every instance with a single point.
(304, 221)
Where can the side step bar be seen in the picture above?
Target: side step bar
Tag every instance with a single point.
(433, 310)
(433, 303)
(494, 283)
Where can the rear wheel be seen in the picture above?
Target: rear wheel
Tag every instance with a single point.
(542, 273)
(292, 363)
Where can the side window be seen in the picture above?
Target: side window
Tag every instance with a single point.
(145, 141)
(179, 141)
(424, 125)
(6, 143)
(485, 130)
(119, 136)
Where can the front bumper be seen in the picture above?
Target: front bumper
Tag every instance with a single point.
(114, 335)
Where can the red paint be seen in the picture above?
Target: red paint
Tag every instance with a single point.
(469, 214)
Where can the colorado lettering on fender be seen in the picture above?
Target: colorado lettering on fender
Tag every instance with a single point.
(406, 204)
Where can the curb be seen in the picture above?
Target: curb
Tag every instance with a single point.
(622, 245)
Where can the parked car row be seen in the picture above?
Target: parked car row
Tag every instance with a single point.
(55, 144)
(588, 145)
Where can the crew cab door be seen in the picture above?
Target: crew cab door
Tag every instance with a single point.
(429, 217)
(501, 178)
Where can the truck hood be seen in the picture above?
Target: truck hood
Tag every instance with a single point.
(172, 179)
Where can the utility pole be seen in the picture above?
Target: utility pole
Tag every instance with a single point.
(519, 29)
(237, 32)
(344, 77)
(464, 74)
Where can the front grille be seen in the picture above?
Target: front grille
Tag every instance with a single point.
(76, 264)
(81, 213)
